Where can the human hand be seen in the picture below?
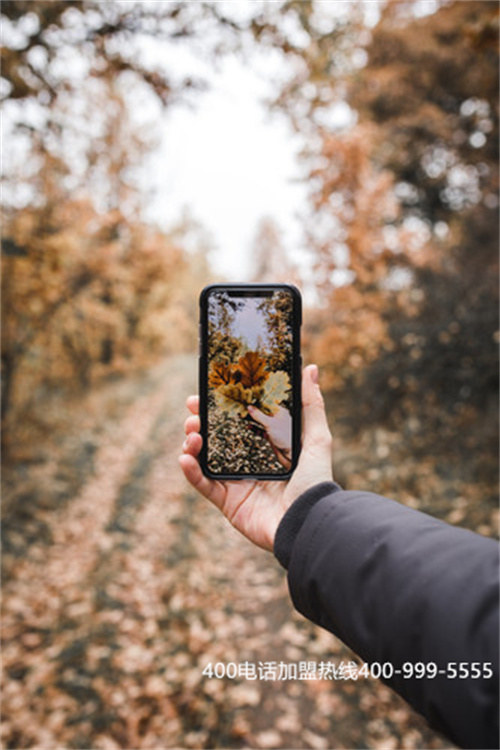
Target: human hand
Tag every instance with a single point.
(256, 508)
(278, 429)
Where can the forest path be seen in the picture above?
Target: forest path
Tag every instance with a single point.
(121, 584)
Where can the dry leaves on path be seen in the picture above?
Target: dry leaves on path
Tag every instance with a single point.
(111, 616)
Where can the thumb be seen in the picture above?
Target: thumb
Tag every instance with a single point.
(258, 415)
(315, 426)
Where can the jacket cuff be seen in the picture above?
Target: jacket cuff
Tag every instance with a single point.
(292, 521)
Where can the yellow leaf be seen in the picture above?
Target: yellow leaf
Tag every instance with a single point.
(274, 391)
(234, 398)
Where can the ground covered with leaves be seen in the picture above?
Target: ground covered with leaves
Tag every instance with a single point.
(121, 585)
(250, 451)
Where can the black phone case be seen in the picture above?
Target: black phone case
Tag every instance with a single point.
(244, 291)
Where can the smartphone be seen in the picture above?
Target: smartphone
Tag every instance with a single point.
(249, 380)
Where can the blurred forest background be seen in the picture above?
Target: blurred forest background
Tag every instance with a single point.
(120, 584)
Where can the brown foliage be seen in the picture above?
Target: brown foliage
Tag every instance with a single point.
(403, 230)
(220, 374)
(355, 199)
(84, 296)
(251, 370)
(249, 381)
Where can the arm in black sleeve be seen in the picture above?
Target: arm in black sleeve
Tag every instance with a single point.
(400, 586)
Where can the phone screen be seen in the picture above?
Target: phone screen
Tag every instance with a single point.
(250, 373)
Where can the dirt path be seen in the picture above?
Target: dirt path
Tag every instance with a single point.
(121, 585)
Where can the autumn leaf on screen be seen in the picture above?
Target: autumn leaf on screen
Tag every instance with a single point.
(251, 370)
(274, 392)
(220, 374)
(234, 398)
(249, 381)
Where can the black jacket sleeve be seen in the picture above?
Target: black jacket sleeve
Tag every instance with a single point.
(399, 586)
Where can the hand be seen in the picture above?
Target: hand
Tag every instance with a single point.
(256, 508)
(278, 431)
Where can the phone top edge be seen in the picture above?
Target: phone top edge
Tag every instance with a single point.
(251, 286)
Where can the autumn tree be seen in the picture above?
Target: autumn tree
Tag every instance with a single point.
(278, 311)
(59, 59)
(83, 294)
(88, 287)
(401, 122)
(431, 87)
(351, 200)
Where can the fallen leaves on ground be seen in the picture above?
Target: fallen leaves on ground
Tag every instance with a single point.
(121, 585)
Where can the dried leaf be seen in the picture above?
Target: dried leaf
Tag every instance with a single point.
(275, 391)
(233, 398)
(251, 370)
(220, 374)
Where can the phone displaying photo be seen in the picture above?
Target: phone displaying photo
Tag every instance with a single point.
(250, 366)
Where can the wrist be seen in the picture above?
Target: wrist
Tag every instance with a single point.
(292, 520)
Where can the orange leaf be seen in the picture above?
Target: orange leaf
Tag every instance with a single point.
(220, 374)
(251, 370)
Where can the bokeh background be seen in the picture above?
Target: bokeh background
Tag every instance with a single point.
(150, 148)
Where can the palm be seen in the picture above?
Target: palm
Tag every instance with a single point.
(254, 508)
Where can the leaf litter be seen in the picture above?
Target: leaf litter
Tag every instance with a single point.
(136, 584)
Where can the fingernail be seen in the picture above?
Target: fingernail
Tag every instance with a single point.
(315, 374)
(185, 443)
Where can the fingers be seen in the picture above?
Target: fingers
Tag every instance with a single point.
(282, 457)
(192, 424)
(259, 416)
(315, 428)
(209, 488)
(192, 444)
(193, 404)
